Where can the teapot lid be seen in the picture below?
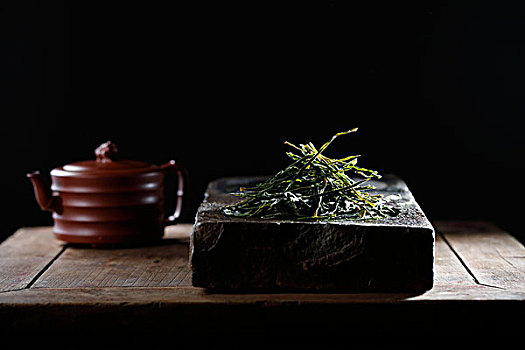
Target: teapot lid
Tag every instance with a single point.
(106, 161)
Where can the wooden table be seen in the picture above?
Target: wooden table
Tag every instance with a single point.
(80, 295)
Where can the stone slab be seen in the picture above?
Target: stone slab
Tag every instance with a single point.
(388, 255)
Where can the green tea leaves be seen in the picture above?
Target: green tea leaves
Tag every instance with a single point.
(313, 188)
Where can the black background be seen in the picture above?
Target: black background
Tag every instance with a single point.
(435, 87)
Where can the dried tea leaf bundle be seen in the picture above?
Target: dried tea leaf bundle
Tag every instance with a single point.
(315, 188)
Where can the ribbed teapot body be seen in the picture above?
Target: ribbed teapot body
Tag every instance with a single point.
(108, 208)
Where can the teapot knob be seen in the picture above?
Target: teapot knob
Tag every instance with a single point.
(106, 152)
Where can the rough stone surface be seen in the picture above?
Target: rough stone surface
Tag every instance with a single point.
(231, 253)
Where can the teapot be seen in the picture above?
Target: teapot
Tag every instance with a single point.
(107, 201)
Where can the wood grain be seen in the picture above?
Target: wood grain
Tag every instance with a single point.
(64, 293)
(493, 257)
(474, 261)
(162, 265)
(24, 255)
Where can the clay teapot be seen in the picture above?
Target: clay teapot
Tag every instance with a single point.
(107, 201)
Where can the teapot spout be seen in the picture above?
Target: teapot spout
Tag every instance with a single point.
(43, 193)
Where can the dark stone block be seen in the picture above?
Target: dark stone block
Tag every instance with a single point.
(389, 255)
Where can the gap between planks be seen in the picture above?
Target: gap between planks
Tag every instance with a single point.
(165, 264)
(31, 253)
(44, 269)
(468, 247)
(460, 259)
(492, 257)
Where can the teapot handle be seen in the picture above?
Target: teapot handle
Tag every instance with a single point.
(182, 182)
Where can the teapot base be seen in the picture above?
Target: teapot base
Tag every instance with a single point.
(105, 240)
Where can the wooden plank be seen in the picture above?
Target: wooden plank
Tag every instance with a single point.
(129, 296)
(161, 265)
(447, 268)
(108, 296)
(125, 312)
(452, 281)
(24, 255)
(183, 310)
(166, 265)
(493, 258)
